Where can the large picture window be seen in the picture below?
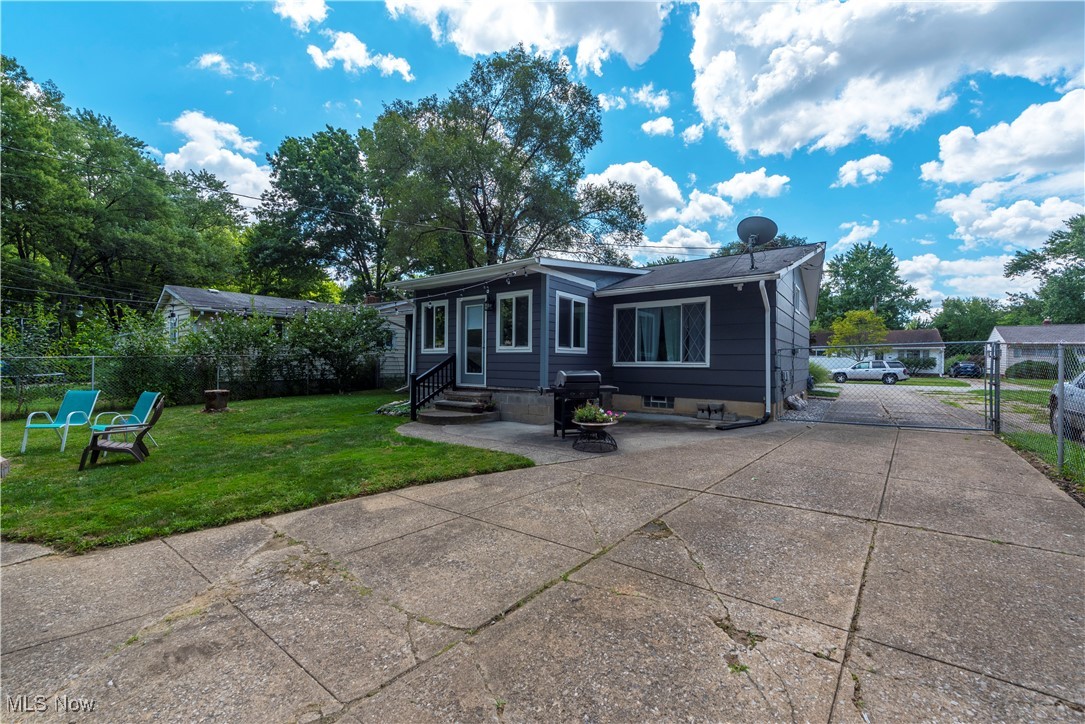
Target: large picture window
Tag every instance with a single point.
(514, 322)
(435, 327)
(572, 324)
(662, 333)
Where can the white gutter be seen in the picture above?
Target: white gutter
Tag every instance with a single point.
(768, 349)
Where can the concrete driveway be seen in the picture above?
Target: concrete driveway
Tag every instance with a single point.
(785, 572)
(906, 406)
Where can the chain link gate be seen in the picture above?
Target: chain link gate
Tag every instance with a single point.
(949, 386)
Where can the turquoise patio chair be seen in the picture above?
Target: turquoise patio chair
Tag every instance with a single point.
(138, 415)
(75, 411)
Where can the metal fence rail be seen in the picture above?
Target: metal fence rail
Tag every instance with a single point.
(39, 383)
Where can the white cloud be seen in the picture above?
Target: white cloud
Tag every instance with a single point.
(702, 207)
(926, 242)
(659, 194)
(301, 13)
(857, 234)
(693, 134)
(774, 77)
(662, 126)
(222, 65)
(1023, 223)
(597, 30)
(679, 242)
(867, 170)
(220, 148)
(938, 278)
(756, 183)
(355, 56)
(611, 103)
(647, 96)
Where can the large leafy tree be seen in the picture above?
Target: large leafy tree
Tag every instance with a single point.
(496, 169)
(1059, 267)
(855, 333)
(778, 242)
(967, 319)
(866, 277)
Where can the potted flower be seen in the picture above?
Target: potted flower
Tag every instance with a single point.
(593, 416)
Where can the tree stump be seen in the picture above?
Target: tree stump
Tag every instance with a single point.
(215, 400)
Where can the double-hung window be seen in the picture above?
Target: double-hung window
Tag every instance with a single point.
(435, 326)
(662, 333)
(514, 322)
(572, 324)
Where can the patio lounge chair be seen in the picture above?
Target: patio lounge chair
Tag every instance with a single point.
(104, 442)
(75, 411)
(139, 415)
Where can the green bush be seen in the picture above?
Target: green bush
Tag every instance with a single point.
(819, 373)
(1033, 370)
(915, 363)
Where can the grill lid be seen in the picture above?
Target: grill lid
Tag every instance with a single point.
(564, 378)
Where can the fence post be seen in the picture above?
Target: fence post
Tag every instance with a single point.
(996, 402)
(411, 380)
(92, 372)
(1060, 433)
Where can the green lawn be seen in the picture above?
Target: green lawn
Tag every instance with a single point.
(1031, 397)
(1039, 384)
(263, 457)
(916, 382)
(1044, 445)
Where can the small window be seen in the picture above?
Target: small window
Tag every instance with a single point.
(572, 324)
(435, 327)
(862, 366)
(654, 401)
(514, 321)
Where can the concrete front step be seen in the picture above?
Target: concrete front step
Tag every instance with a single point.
(456, 417)
(468, 395)
(461, 405)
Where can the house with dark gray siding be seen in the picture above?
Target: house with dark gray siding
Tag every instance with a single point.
(732, 330)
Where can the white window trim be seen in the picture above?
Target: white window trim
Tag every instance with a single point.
(557, 323)
(707, 301)
(425, 349)
(530, 322)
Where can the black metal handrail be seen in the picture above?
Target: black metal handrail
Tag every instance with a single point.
(429, 384)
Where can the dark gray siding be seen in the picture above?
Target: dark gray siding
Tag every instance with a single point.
(736, 350)
(792, 324)
(600, 314)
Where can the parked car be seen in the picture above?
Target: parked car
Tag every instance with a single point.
(1073, 414)
(965, 369)
(888, 372)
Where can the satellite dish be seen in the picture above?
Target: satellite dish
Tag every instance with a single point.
(756, 230)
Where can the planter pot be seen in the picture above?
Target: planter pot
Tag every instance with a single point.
(595, 425)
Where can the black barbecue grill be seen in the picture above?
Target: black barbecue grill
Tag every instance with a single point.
(572, 388)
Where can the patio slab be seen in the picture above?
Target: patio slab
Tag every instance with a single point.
(352, 525)
(344, 636)
(1004, 471)
(884, 684)
(969, 444)
(851, 435)
(12, 552)
(871, 458)
(803, 486)
(216, 552)
(1051, 524)
(58, 596)
(461, 573)
(589, 513)
(466, 495)
(1011, 612)
(617, 645)
(801, 562)
(694, 467)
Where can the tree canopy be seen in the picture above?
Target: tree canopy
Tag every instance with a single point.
(968, 319)
(866, 277)
(1059, 267)
(856, 332)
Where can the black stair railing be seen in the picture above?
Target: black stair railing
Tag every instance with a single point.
(429, 384)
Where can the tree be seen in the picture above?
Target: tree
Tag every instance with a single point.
(496, 168)
(779, 242)
(856, 332)
(866, 277)
(967, 319)
(346, 339)
(1059, 267)
(663, 261)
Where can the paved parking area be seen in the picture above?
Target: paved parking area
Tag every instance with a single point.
(786, 572)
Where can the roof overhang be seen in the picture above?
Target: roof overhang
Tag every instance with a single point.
(510, 269)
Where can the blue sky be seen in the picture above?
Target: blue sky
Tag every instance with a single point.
(953, 132)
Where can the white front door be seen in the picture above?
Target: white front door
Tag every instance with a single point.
(471, 355)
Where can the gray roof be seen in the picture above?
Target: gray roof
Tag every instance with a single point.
(767, 263)
(903, 337)
(1042, 333)
(213, 300)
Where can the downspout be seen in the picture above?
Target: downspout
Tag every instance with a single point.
(768, 350)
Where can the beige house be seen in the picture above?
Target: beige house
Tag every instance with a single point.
(1037, 342)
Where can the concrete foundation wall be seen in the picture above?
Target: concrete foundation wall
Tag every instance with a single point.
(687, 406)
(525, 406)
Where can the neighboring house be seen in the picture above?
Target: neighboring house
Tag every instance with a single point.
(669, 337)
(1037, 342)
(186, 308)
(922, 343)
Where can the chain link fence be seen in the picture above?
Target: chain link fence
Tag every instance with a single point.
(38, 383)
(1042, 406)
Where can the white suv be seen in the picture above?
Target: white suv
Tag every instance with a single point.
(888, 372)
(1073, 415)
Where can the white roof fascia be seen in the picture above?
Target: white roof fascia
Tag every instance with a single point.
(477, 274)
(588, 266)
(568, 277)
(611, 292)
